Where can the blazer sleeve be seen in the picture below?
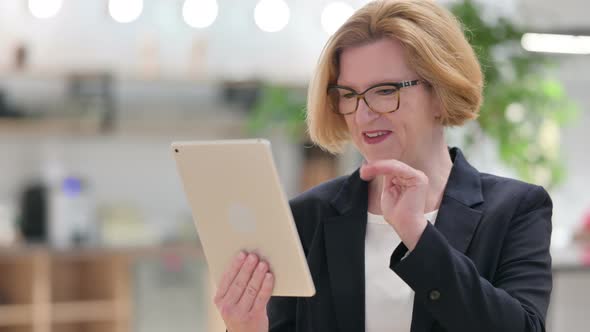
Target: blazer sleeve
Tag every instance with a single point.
(449, 286)
(281, 314)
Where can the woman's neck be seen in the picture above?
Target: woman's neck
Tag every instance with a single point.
(436, 164)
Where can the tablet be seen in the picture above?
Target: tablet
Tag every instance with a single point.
(237, 203)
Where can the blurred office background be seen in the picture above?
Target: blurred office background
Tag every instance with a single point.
(95, 231)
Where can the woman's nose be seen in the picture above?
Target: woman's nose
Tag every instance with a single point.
(364, 114)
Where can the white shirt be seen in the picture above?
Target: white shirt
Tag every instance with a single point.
(388, 299)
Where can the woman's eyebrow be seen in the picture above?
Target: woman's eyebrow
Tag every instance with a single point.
(373, 83)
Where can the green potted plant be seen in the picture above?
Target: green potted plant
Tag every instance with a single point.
(523, 107)
(279, 106)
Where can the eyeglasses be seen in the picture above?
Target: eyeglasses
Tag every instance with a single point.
(380, 98)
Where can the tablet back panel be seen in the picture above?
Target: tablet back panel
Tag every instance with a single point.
(237, 203)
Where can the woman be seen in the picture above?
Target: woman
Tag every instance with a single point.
(416, 239)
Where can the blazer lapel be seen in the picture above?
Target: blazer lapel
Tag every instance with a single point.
(345, 253)
(457, 222)
(457, 219)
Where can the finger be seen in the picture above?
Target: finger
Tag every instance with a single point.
(237, 287)
(253, 287)
(365, 175)
(394, 191)
(401, 181)
(388, 167)
(264, 294)
(229, 275)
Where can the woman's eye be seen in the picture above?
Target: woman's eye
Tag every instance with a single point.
(386, 92)
(348, 95)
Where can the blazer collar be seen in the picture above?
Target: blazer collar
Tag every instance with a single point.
(353, 194)
(458, 215)
(463, 185)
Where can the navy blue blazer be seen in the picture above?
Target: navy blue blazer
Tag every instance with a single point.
(484, 266)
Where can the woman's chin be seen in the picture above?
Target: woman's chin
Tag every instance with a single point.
(383, 151)
(380, 155)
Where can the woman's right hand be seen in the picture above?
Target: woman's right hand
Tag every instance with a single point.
(243, 292)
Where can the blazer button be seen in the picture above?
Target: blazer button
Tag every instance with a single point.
(434, 295)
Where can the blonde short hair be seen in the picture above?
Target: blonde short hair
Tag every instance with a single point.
(436, 49)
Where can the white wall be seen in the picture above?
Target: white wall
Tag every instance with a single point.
(551, 15)
(83, 35)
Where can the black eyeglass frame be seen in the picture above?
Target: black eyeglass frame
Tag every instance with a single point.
(359, 96)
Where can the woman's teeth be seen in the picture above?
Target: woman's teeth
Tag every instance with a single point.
(376, 134)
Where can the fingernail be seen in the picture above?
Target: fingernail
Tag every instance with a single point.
(241, 256)
(252, 257)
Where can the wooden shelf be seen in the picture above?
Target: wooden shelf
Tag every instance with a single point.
(49, 291)
(82, 280)
(15, 282)
(232, 126)
(16, 254)
(11, 315)
(84, 311)
(85, 327)
(42, 126)
(16, 329)
(83, 290)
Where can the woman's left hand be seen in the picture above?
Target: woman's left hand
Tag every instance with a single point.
(403, 197)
